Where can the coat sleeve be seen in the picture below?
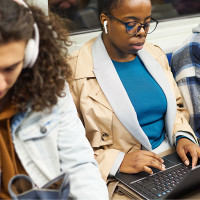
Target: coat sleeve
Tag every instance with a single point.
(76, 155)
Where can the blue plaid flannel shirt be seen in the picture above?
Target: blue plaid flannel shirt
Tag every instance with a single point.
(185, 66)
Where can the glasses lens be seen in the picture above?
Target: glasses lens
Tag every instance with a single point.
(132, 28)
(151, 26)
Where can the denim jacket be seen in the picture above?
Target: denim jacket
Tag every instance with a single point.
(53, 141)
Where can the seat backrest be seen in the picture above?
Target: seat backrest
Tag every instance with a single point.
(169, 56)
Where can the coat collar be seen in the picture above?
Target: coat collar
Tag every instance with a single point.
(99, 65)
(115, 93)
(157, 72)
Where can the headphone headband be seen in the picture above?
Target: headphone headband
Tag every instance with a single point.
(22, 3)
(32, 47)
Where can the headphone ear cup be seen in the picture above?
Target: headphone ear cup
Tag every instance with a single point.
(105, 26)
(32, 46)
(31, 53)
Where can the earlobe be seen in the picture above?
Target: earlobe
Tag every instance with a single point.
(105, 26)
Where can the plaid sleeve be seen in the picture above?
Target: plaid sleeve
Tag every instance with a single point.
(185, 65)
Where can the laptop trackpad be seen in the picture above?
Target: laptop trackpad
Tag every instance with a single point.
(169, 161)
(174, 158)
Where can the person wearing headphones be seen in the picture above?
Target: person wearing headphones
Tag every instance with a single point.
(126, 95)
(41, 135)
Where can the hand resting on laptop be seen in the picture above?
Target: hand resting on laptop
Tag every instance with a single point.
(176, 181)
(184, 147)
(141, 160)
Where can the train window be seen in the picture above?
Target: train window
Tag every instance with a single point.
(81, 15)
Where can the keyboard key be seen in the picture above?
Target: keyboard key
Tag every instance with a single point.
(161, 183)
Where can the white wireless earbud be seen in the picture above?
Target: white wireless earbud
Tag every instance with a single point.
(105, 26)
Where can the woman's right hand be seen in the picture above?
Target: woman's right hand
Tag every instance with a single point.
(141, 160)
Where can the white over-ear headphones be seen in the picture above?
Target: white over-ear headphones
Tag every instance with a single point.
(105, 26)
(32, 47)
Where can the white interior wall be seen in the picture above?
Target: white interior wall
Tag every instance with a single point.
(43, 4)
(168, 35)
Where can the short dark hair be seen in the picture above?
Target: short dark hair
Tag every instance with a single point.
(105, 6)
(41, 85)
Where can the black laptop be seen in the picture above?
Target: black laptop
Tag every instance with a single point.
(175, 181)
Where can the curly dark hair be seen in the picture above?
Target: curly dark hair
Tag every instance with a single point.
(41, 85)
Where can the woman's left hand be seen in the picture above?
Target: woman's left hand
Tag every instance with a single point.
(185, 146)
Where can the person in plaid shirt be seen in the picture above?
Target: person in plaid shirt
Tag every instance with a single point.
(185, 66)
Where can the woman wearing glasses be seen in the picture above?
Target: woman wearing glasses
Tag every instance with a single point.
(126, 95)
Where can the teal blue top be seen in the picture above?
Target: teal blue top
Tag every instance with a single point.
(146, 96)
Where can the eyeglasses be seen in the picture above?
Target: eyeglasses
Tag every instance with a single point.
(133, 27)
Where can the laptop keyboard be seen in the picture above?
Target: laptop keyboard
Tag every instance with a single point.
(158, 185)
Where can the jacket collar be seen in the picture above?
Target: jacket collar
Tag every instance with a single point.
(18, 118)
(157, 72)
(99, 65)
(115, 93)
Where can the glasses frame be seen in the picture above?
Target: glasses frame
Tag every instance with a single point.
(142, 25)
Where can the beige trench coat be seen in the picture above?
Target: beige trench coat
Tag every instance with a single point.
(107, 135)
